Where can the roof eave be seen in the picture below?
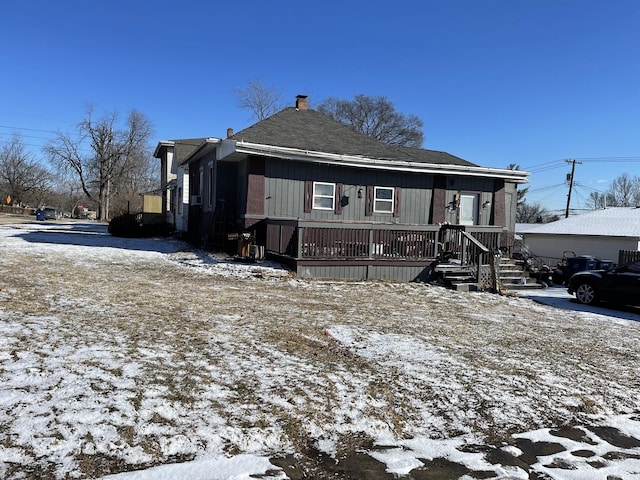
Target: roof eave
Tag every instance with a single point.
(162, 144)
(516, 176)
(205, 148)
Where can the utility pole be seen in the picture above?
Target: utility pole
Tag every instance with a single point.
(573, 168)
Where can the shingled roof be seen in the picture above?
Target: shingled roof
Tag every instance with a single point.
(186, 146)
(309, 130)
(183, 147)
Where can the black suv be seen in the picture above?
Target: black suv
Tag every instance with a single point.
(620, 285)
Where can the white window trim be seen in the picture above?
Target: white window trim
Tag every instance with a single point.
(333, 196)
(385, 200)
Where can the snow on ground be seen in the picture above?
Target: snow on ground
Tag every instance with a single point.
(136, 359)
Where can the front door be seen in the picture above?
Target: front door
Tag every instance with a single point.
(468, 209)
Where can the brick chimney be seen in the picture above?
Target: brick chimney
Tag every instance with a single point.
(302, 102)
(229, 132)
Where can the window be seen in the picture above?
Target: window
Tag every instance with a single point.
(383, 200)
(324, 196)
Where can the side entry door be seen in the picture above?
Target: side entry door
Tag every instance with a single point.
(468, 209)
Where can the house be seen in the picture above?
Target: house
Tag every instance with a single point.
(600, 233)
(174, 178)
(332, 202)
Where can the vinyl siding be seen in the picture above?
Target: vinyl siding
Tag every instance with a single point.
(365, 272)
(284, 188)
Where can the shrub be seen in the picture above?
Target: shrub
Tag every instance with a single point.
(157, 230)
(125, 226)
(128, 226)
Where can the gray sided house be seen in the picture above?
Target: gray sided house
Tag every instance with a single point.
(333, 203)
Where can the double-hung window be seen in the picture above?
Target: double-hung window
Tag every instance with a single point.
(324, 195)
(383, 200)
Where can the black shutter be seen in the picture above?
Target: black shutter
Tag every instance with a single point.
(368, 207)
(396, 202)
(308, 196)
(338, 199)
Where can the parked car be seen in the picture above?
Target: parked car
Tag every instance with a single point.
(619, 285)
(50, 213)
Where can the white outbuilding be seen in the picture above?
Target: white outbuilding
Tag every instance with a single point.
(600, 233)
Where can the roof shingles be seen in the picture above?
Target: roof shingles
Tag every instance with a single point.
(310, 130)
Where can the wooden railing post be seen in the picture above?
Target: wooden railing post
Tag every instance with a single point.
(371, 249)
(300, 239)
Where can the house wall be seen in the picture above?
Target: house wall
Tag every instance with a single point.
(399, 273)
(552, 246)
(284, 194)
(510, 205)
(166, 160)
(253, 188)
(181, 213)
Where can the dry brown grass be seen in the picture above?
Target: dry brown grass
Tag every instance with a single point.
(175, 352)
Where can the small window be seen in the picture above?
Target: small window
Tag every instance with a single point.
(383, 200)
(324, 196)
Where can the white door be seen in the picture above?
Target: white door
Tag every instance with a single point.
(468, 209)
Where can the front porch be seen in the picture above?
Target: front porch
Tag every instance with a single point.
(381, 251)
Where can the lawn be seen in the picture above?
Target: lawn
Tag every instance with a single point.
(147, 358)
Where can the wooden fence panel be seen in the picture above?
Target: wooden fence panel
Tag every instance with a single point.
(626, 256)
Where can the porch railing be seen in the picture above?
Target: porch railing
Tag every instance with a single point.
(312, 240)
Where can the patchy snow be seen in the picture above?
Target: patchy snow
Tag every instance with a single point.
(136, 359)
(240, 467)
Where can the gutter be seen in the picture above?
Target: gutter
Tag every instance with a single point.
(297, 154)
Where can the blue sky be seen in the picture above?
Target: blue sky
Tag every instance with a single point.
(495, 81)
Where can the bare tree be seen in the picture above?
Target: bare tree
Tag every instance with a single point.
(126, 195)
(23, 178)
(261, 100)
(521, 192)
(377, 118)
(624, 191)
(533, 213)
(104, 156)
(596, 200)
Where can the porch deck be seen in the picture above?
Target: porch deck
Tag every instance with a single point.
(375, 250)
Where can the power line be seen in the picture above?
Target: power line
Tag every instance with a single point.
(578, 184)
(546, 188)
(543, 167)
(632, 158)
(554, 164)
(18, 130)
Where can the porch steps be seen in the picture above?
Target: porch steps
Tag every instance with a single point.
(457, 277)
(513, 276)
